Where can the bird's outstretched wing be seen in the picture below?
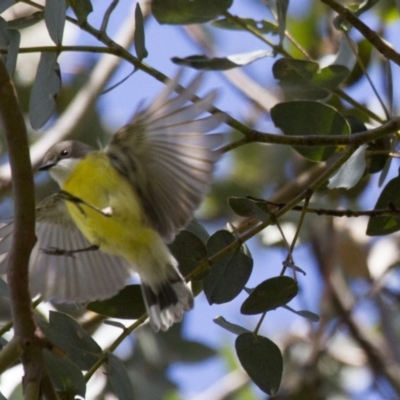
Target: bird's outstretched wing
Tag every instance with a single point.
(64, 265)
(167, 156)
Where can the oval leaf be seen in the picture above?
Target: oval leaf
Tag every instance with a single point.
(203, 62)
(139, 38)
(306, 118)
(184, 12)
(189, 251)
(127, 304)
(65, 375)
(119, 378)
(262, 360)
(45, 89)
(229, 274)
(54, 16)
(70, 337)
(390, 196)
(269, 295)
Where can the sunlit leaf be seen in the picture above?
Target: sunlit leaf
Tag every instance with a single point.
(307, 118)
(269, 295)
(127, 304)
(233, 328)
(203, 62)
(262, 360)
(183, 12)
(350, 172)
(390, 196)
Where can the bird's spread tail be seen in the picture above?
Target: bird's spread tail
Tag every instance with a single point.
(167, 301)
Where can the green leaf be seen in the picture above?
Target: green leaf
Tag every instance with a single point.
(262, 26)
(304, 80)
(390, 196)
(229, 274)
(248, 208)
(82, 8)
(139, 37)
(119, 378)
(70, 337)
(26, 21)
(10, 41)
(189, 251)
(262, 360)
(127, 304)
(183, 12)
(307, 118)
(65, 375)
(269, 295)
(4, 289)
(203, 62)
(198, 229)
(54, 16)
(45, 90)
(350, 172)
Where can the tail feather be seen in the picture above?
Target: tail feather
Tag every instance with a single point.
(167, 302)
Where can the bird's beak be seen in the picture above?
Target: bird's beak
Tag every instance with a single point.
(47, 165)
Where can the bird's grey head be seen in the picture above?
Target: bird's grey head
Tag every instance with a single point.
(61, 159)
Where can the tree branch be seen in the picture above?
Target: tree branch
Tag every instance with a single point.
(24, 235)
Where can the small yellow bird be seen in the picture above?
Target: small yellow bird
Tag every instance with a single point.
(118, 207)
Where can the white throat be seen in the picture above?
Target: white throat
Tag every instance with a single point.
(63, 170)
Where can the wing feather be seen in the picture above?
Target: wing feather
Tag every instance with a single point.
(59, 269)
(167, 156)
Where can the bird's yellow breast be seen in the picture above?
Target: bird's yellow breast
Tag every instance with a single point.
(98, 184)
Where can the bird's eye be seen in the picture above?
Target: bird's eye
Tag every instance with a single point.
(64, 153)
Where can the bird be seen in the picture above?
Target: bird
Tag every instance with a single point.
(120, 206)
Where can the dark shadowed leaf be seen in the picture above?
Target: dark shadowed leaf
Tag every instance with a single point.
(45, 89)
(306, 118)
(390, 196)
(189, 251)
(203, 62)
(183, 12)
(139, 38)
(249, 208)
(269, 295)
(54, 16)
(262, 360)
(262, 26)
(82, 8)
(119, 378)
(65, 333)
(127, 304)
(198, 229)
(229, 274)
(4, 290)
(65, 375)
